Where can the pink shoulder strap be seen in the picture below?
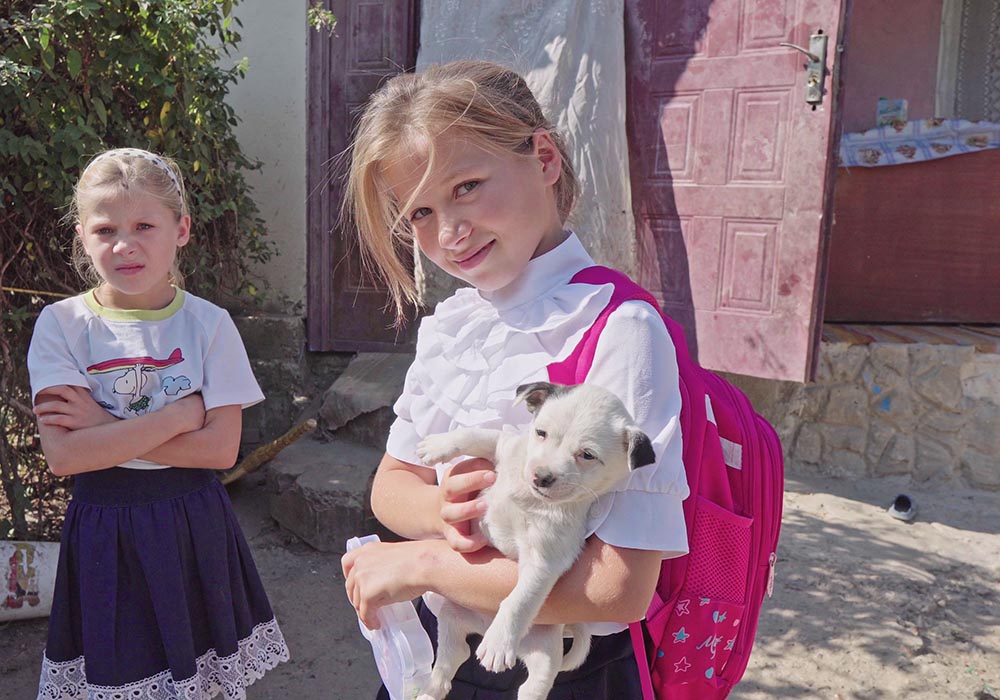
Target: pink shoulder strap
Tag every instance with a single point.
(574, 369)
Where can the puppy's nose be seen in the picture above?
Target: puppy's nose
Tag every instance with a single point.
(544, 479)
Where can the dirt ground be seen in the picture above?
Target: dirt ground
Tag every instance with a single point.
(865, 607)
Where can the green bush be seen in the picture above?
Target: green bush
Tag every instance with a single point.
(77, 77)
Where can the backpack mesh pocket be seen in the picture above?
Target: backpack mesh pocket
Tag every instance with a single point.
(720, 553)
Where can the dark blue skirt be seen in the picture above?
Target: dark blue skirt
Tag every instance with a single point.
(156, 594)
(610, 671)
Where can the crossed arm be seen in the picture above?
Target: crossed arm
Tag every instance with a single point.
(78, 435)
(606, 584)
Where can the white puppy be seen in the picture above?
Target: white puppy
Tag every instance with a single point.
(581, 442)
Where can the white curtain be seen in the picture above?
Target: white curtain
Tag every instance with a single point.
(977, 88)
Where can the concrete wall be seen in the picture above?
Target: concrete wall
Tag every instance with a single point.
(271, 104)
(891, 51)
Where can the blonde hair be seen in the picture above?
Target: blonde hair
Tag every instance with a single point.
(489, 104)
(118, 171)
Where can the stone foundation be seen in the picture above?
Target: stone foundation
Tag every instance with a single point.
(275, 344)
(928, 410)
(292, 379)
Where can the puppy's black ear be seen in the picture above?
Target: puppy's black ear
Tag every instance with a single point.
(640, 448)
(536, 393)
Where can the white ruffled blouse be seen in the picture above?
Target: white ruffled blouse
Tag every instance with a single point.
(477, 348)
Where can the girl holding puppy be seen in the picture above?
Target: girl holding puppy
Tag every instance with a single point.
(461, 160)
(139, 387)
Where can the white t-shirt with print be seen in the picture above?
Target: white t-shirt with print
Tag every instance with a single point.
(136, 362)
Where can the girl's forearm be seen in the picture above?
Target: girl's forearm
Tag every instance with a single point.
(606, 584)
(405, 503)
(214, 446)
(109, 444)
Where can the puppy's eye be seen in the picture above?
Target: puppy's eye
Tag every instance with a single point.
(541, 433)
(588, 455)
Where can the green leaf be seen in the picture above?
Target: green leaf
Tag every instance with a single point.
(74, 62)
(43, 38)
(165, 118)
(49, 57)
(100, 110)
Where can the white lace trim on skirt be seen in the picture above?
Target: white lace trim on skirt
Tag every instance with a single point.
(230, 675)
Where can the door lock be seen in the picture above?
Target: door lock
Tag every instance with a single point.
(815, 66)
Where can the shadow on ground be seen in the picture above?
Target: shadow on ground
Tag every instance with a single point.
(864, 608)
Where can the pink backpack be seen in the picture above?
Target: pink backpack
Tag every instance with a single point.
(700, 626)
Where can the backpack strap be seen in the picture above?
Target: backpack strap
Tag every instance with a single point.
(574, 369)
(641, 660)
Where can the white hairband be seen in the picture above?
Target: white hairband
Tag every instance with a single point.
(151, 157)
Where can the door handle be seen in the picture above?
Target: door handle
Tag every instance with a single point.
(815, 66)
(813, 58)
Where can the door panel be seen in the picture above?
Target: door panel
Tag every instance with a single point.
(374, 39)
(917, 243)
(730, 174)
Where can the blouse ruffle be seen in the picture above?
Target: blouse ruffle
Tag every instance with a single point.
(472, 356)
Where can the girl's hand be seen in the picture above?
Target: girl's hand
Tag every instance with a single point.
(382, 573)
(192, 411)
(460, 505)
(70, 407)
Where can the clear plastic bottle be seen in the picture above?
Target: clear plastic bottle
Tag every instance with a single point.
(402, 649)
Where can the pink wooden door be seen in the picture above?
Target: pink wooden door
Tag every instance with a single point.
(731, 172)
(374, 39)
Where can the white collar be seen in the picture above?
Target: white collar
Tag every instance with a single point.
(542, 274)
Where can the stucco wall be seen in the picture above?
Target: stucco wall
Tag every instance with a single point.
(892, 51)
(271, 104)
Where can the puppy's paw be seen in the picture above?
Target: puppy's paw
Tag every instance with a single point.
(438, 688)
(497, 651)
(434, 449)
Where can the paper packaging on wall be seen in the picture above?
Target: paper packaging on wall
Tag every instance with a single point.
(890, 111)
(29, 574)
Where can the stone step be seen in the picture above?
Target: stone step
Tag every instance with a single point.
(358, 405)
(320, 491)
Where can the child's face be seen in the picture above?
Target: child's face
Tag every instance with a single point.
(132, 239)
(480, 216)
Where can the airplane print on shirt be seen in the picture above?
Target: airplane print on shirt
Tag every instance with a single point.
(133, 377)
